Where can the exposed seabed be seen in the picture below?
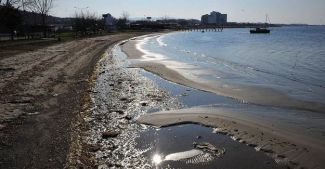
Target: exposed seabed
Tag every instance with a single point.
(121, 95)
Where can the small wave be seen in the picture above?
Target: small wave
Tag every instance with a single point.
(147, 55)
(160, 42)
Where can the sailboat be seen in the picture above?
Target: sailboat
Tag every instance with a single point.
(262, 29)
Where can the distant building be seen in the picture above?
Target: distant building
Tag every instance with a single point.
(214, 18)
(109, 21)
(205, 19)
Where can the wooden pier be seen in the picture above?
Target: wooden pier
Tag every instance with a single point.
(202, 28)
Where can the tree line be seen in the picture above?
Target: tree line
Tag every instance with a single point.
(29, 18)
(11, 14)
(87, 23)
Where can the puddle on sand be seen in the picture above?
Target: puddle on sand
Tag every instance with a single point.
(188, 96)
(192, 146)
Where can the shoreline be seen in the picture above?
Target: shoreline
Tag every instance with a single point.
(92, 91)
(120, 96)
(282, 153)
(251, 94)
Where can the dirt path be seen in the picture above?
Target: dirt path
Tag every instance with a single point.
(40, 94)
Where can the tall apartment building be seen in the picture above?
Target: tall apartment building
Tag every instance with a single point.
(214, 18)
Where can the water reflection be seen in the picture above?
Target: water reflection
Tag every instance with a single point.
(194, 146)
(156, 159)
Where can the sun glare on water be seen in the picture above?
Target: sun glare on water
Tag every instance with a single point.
(156, 159)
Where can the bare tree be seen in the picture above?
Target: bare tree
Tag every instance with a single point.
(43, 8)
(121, 23)
(87, 23)
(8, 2)
(25, 3)
(165, 18)
(16, 3)
(125, 16)
(10, 18)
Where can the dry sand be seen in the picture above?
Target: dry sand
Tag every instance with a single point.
(287, 147)
(41, 94)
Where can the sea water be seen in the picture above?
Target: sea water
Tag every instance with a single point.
(290, 60)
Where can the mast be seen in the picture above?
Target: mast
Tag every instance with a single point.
(267, 20)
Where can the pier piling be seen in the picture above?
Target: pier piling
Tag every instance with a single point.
(201, 28)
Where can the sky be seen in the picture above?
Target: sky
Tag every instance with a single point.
(279, 11)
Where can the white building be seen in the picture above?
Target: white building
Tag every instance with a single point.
(109, 21)
(214, 18)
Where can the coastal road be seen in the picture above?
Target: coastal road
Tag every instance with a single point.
(41, 94)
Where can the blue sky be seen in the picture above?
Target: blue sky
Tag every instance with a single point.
(279, 11)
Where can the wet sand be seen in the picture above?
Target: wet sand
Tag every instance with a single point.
(179, 147)
(288, 147)
(293, 148)
(121, 95)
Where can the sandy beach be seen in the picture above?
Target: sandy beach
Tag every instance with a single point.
(159, 84)
(42, 94)
(93, 103)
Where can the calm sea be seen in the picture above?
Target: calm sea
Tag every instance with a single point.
(290, 60)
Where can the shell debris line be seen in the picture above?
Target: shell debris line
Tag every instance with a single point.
(119, 96)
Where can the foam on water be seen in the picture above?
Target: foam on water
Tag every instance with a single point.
(160, 42)
(148, 56)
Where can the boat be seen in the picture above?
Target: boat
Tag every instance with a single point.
(261, 29)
